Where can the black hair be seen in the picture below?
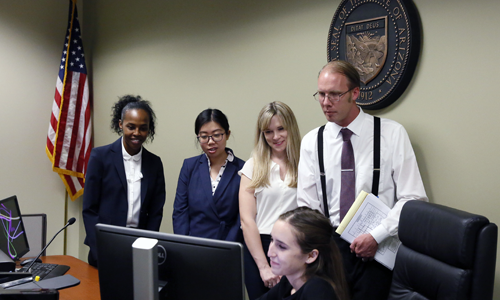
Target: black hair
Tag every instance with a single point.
(209, 115)
(129, 102)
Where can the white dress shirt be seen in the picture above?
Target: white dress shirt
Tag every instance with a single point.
(133, 174)
(400, 179)
(272, 201)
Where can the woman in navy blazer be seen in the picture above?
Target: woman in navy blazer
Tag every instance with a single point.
(206, 201)
(106, 199)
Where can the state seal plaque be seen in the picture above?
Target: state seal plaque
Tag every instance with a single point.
(382, 40)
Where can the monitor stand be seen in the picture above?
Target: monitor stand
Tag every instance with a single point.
(145, 267)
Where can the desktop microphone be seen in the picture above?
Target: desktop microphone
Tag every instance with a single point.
(70, 222)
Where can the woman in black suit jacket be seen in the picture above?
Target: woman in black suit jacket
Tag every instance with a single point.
(206, 201)
(124, 183)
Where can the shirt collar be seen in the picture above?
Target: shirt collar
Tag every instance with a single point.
(129, 157)
(230, 156)
(355, 126)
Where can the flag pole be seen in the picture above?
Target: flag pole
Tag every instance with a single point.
(65, 245)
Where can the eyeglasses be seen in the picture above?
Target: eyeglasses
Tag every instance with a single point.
(203, 139)
(332, 97)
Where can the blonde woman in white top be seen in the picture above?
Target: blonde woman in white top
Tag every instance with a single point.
(268, 188)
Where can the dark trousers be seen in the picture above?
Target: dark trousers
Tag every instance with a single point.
(367, 280)
(254, 284)
(92, 260)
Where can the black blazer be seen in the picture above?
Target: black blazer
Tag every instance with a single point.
(197, 212)
(105, 194)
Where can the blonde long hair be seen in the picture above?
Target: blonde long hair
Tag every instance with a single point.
(262, 151)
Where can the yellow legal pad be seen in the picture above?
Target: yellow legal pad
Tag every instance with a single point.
(352, 211)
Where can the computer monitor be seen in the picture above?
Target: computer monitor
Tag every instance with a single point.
(192, 268)
(13, 240)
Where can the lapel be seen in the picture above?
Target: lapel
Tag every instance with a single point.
(116, 148)
(206, 183)
(225, 180)
(146, 166)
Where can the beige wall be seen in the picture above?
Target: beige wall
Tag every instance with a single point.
(188, 55)
(31, 40)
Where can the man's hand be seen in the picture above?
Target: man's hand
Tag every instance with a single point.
(364, 246)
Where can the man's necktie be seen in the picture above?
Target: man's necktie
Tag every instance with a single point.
(348, 178)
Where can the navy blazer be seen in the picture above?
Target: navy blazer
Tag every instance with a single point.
(105, 194)
(197, 212)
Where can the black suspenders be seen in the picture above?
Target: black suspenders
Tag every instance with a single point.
(376, 162)
(322, 174)
(376, 155)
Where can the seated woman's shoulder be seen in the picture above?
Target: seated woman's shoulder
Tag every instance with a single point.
(318, 288)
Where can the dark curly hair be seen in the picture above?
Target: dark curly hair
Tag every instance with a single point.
(128, 102)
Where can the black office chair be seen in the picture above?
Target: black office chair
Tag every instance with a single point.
(445, 254)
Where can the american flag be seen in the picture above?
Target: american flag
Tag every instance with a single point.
(69, 139)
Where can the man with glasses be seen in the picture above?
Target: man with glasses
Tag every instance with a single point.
(348, 156)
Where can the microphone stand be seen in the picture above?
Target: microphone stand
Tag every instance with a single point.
(70, 222)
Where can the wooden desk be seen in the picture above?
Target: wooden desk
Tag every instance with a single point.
(88, 289)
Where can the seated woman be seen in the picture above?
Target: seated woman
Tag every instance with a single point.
(124, 183)
(206, 201)
(268, 188)
(303, 252)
